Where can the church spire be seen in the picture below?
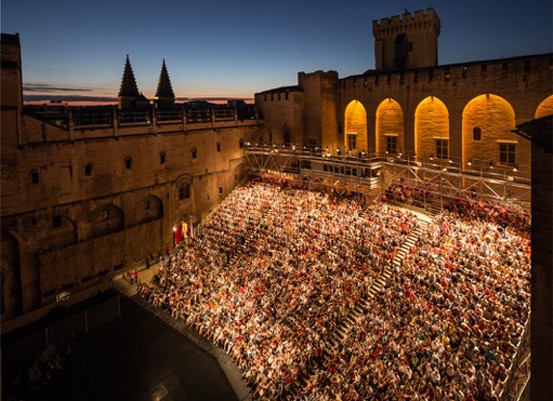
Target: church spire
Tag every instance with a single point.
(128, 83)
(165, 97)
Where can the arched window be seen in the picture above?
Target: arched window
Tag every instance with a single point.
(184, 192)
(194, 153)
(128, 162)
(162, 157)
(218, 146)
(88, 169)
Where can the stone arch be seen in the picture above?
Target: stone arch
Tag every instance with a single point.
(389, 124)
(183, 186)
(11, 277)
(431, 126)
(107, 219)
(545, 108)
(355, 117)
(151, 208)
(495, 118)
(62, 234)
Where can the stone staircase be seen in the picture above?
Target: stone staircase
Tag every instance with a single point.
(433, 207)
(362, 308)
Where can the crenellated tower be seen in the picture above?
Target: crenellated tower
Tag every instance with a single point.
(165, 97)
(407, 41)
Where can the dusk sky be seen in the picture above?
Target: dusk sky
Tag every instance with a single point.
(237, 48)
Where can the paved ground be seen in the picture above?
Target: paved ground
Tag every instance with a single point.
(137, 358)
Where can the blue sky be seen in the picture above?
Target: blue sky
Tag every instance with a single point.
(237, 48)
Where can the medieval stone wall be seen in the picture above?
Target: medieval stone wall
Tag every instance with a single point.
(284, 115)
(80, 204)
(414, 35)
(319, 114)
(495, 96)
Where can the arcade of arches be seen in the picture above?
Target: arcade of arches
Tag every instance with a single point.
(487, 124)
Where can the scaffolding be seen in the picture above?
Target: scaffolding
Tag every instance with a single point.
(431, 181)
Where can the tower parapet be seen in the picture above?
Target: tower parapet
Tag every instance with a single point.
(407, 41)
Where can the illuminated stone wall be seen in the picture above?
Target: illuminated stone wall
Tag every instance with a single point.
(58, 215)
(309, 112)
(545, 108)
(525, 83)
(75, 212)
(389, 122)
(320, 112)
(356, 124)
(282, 111)
(495, 119)
(431, 123)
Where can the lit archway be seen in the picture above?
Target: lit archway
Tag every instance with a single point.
(389, 127)
(487, 124)
(545, 108)
(355, 133)
(432, 128)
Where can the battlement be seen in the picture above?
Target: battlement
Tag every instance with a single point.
(419, 20)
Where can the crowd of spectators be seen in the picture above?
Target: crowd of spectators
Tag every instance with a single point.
(445, 328)
(406, 194)
(275, 270)
(504, 214)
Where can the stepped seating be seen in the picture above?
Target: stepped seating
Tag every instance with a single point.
(361, 308)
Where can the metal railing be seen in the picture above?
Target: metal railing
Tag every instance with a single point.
(519, 371)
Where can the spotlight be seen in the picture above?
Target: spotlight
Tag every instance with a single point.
(515, 168)
(490, 165)
(469, 163)
(450, 161)
(432, 157)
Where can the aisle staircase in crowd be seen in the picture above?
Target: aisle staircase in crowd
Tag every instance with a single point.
(362, 308)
